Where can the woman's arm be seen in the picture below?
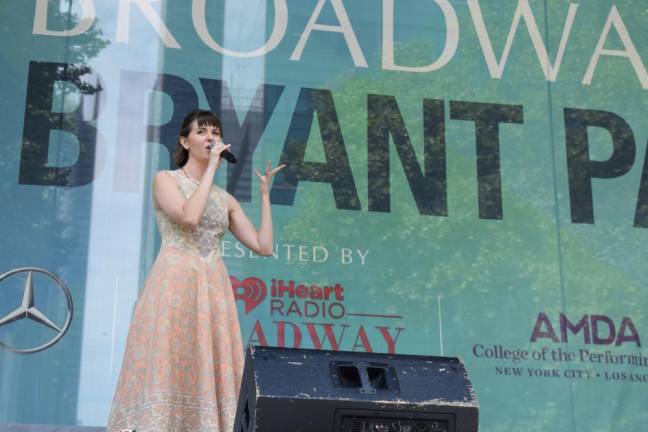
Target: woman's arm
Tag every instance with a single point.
(261, 241)
(186, 211)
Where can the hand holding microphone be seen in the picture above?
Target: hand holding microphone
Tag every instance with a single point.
(225, 154)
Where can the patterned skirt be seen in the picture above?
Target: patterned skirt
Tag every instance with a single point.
(184, 356)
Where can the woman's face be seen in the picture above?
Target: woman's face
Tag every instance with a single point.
(198, 140)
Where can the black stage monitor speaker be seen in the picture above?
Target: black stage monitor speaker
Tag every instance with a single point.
(299, 390)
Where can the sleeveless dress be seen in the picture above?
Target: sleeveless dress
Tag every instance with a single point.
(184, 355)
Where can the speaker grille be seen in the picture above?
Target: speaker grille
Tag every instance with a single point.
(394, 422)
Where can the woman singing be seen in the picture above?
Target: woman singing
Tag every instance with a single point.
(184, 356)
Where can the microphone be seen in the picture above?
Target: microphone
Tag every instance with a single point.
(225, 154)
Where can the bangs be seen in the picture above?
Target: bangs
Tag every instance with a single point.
(206, 118)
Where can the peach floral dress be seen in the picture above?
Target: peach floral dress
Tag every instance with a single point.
(184, 356)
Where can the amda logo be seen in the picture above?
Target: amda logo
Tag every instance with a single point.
(251, 291)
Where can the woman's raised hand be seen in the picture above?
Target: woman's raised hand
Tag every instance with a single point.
(266, 179)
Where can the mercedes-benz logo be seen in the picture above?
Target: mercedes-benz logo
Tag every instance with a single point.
(27, 309)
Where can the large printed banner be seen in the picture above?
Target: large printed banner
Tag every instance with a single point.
(464, 178)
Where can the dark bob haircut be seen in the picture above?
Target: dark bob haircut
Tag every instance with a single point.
(202, 118)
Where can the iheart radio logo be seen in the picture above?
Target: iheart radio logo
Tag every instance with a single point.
(251, 290)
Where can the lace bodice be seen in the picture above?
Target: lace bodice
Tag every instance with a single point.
(204, 239)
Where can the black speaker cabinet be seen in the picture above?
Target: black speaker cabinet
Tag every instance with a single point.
(299, 390)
